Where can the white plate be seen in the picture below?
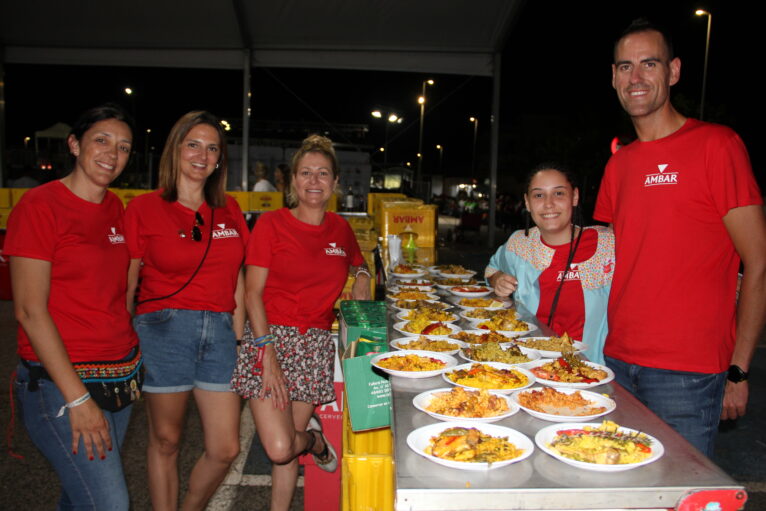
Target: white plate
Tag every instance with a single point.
(446, 305)
(416, 275)
(412, 282)
(419, 439)
(405, 287)
(476, 321)
(471, 294)
(422, 400)
(448, 360)
(447, 286)
(596, 399)
(550, 383)
(396, 344)
(496, 365)
(455, 300)
(457, 275)
(532, 355)
(483, 332)
(509, 333)
(399, 327)
(401, 316)
(430, 296)
(546, 435)
(578, 347)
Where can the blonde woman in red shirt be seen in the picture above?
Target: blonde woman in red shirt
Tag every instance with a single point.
(297, 264)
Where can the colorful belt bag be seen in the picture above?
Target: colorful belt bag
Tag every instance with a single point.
(112, 385)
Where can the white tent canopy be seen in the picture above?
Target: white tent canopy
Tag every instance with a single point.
(58, 130)
(423, 36)
(430, 36)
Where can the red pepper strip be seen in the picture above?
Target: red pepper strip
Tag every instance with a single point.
(643, 447)
(563, 363)
(571, 432)
(451, 439)
(475, 370)
(589, 380)
(430, 328)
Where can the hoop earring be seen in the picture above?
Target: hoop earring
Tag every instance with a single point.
(217, 165)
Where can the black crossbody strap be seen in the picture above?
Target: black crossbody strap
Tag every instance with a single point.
(199, 266)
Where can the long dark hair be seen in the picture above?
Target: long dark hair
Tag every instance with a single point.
(215, 186)
(577, 220)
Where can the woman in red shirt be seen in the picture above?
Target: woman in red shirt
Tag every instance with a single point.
(69, 267)
(187, 243)
(560, 270)
(297, 263)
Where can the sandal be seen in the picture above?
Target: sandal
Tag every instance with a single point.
(327, 460)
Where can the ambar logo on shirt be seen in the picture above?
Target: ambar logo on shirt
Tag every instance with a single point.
(334, 250)
(662, 177)
(114, 237)
(572, 274)
(223, 232)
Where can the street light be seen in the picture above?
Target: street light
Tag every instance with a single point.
(700, 12)
(129, 92)
(475, 121)
(391, 118)
(441, 155)
(422, 102)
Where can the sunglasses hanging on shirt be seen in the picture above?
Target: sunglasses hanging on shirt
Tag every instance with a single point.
(196, 234)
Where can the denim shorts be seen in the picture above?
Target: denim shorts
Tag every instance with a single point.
(85, 484)
(689, 402)
(184, 349)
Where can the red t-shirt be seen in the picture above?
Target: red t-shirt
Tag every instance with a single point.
(308, 266)
(85, 244)
(672, 304)
(159, 233)
(570, 310)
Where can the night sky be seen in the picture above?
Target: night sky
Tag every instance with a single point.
(557, 102)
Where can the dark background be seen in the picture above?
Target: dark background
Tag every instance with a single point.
(556, 97)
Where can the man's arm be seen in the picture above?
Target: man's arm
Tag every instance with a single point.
(747, 229)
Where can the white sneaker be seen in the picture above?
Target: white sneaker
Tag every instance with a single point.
(329, 462)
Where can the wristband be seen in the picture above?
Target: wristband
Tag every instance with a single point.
(362, 270)
(263, 340)
(77, 402)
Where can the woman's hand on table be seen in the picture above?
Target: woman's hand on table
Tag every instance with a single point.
(89, 424)
(273, 380)
(503, 284)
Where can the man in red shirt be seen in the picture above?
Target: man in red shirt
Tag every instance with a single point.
(685, 208)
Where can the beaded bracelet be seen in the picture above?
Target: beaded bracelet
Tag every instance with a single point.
(77, 402)
(263, 340)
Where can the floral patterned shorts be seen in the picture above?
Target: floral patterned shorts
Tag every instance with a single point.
(307, 361)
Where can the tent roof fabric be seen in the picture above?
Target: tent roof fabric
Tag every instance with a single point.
(57, 130)
(387, 35)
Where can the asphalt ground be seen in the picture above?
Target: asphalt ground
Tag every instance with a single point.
(29, 483)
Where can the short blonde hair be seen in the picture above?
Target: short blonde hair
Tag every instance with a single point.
(311, 144)
(215, 186)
